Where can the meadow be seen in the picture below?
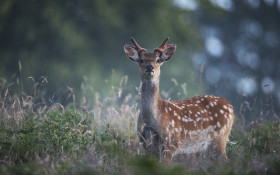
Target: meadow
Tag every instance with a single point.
(98, 136)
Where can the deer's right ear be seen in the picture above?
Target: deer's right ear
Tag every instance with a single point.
(131, 53)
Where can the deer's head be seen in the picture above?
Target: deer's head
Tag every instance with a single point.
(150, 63)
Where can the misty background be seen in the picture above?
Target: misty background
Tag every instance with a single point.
(224, 47)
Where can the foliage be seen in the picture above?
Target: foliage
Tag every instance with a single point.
(68, 40)
(75, 47)
(37, 139)
(247, 35)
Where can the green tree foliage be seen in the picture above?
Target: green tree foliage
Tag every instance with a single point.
(66, 40)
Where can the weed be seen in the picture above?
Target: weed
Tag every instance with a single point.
(100, 138)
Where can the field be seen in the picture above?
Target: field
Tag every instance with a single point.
(99, 137)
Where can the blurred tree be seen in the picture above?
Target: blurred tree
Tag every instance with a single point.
(67, 40)
(241, 47)
(71, 42)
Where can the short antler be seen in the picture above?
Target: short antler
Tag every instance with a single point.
(163, 46)
(137, 47)
(163, 43)
(168, 128)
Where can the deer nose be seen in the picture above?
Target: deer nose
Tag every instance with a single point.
(149, 68)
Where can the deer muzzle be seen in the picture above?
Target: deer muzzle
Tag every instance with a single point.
(149, 72)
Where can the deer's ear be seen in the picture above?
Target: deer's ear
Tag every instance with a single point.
(167, 53)
(131, 53)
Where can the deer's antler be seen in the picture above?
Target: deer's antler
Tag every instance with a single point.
(137, 47)
(163, 46)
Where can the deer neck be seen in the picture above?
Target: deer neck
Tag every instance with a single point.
(150, 100)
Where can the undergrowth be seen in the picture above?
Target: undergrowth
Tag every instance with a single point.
(100, 138)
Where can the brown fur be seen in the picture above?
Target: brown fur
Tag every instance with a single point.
(168, 128)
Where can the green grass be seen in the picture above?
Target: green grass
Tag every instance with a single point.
(100, 138)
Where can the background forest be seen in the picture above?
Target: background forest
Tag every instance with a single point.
(225, 48)
(68, 93)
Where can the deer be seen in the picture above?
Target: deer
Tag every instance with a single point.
(168, 128)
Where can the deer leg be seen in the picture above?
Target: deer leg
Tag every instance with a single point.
(220, 146)
(151, 142)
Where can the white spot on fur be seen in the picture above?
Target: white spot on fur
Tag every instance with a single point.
(172, 123)
(218, 124)
(221, 111)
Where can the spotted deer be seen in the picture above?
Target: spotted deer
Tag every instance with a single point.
(195, 125)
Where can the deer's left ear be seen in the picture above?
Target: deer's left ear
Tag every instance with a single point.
(167, 53)
(131, 52)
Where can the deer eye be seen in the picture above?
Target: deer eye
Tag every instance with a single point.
(141, 61)
(159, 61)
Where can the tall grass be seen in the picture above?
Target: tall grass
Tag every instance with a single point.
(99, 137)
